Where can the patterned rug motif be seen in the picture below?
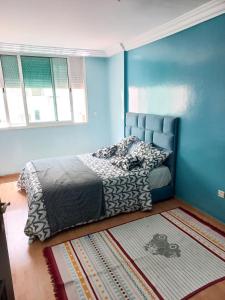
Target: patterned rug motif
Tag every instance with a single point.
(172, 255)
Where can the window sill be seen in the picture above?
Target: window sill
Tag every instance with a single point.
(43, 125)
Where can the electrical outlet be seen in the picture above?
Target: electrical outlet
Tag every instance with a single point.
(221, 194)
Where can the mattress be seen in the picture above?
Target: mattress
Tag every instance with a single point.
(159, 177)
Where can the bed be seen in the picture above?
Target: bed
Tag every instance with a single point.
(114, 190)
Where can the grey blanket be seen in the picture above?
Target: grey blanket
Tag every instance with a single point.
(72, 192)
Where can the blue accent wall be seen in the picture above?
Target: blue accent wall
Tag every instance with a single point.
(20, 145)
(116, 96)
(184, 75)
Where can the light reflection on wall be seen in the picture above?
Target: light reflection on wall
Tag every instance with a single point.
(163, 100)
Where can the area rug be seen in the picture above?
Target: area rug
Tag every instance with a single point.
(171, 255)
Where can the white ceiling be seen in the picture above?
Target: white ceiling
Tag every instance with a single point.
(85, 24)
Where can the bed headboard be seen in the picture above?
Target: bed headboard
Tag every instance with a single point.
(159, 130)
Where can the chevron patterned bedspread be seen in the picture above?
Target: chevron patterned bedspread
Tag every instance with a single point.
(124, 191)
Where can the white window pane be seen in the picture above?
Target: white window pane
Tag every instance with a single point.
(63, 104)
(79, 105)
(3, 122)
(40, 104)
(15, 106)
(60, 77)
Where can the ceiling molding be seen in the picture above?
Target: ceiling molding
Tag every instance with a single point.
(45, 50)
(198, 15)
(113, 50)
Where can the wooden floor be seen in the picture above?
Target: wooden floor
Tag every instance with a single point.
(30, 276)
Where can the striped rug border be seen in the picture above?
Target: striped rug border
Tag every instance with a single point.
(201, 220)
(56, 280)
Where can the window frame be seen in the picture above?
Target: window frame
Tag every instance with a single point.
(56, 123)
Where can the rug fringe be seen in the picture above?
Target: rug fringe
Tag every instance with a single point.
(58, 286)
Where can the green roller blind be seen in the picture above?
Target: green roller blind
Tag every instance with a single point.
(36, 71)
(60, 72)
(10, 71)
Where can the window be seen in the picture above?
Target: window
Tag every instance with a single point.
(40, 90)
(78, 90)
(38, 85)
(61, 84)
(13, 90)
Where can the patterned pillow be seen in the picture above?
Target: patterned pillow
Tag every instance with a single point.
(153, 157)
(140, 148)
(126, 163)
(105, 152)
(124, 145)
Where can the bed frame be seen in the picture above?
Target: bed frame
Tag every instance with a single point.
(162, 132)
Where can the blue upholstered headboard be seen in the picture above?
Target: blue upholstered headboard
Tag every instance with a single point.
(159, 130)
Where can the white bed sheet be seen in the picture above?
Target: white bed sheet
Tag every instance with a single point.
(159, 177)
